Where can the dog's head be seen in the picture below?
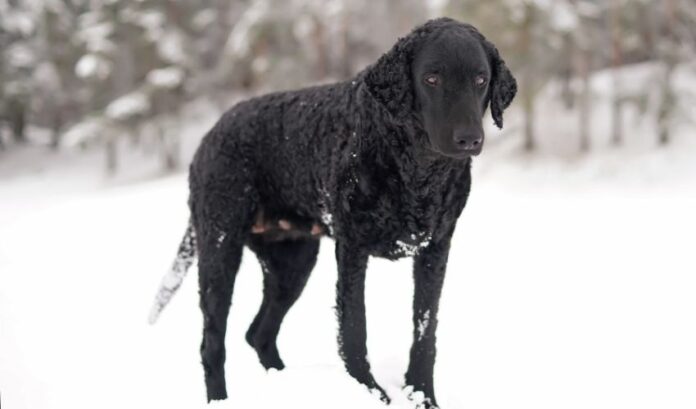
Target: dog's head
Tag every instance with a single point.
(443, 76)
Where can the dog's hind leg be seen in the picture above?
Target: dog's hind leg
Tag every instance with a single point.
(286, 267)
(222, 222)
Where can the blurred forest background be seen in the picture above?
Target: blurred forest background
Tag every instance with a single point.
(127, 76)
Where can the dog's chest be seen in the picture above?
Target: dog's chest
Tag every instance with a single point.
(400, 228)
(407, 245)
(392, 219)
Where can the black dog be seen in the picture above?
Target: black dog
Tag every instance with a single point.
(380, 163)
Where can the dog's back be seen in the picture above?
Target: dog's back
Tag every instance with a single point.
(289, 156)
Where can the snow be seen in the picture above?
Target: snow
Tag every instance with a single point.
(20, 55)
(171, 48)
(417, 397)
(238, 40)
(412, 249)
(151, 19)
(204, 18)
(95, 34)
(303, 27)
(173, 279)
(261, 64)
(326, 216)
(327, 219)
(220, 239)
(129, 105)
(82, 132)
(436, 8)
(423, 324)
(167, 78)
(568, 286)
(334, 8)
(92, 66)
(47, 76)
(17, 22)
(563, 18)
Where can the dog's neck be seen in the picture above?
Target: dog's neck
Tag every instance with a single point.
(399, 146)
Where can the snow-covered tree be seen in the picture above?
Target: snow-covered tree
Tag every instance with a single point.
(65, 62)
(16, 61)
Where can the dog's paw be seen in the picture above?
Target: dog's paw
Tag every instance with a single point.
(377, 391)
(216, 388)
(419, 398)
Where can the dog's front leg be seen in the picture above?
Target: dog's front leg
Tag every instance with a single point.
(350, 308)
(429, 274)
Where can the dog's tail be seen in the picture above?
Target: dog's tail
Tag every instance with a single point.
(173, 279)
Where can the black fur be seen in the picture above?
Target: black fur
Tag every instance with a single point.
(363, 160)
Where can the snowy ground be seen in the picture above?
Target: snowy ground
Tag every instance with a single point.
(571, 285)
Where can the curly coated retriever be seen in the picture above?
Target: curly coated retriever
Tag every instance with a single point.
(380, 163)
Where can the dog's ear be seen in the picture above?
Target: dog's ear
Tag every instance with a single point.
(503, 85)
(389, 79)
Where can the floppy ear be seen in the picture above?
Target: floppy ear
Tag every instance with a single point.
(503, 86)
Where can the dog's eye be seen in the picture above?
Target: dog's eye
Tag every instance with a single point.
(432, 80)
(480, 80)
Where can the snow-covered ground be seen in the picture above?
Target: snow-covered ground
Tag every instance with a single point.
(571, 285)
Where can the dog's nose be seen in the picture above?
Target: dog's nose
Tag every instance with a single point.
(468, 141)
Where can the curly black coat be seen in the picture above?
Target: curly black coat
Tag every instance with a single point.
(354, 158)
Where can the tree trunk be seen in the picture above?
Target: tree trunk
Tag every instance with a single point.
(111, 155)
(667, 104)
(319, 40)
(171, 158)
(528, 79)
(56, 126)
(528, 106)
(616, 61)
(669, 57)
(616, 111)
(566, 75)
(169, 145)
(18, 121)
(585, 96)
(346, 61)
